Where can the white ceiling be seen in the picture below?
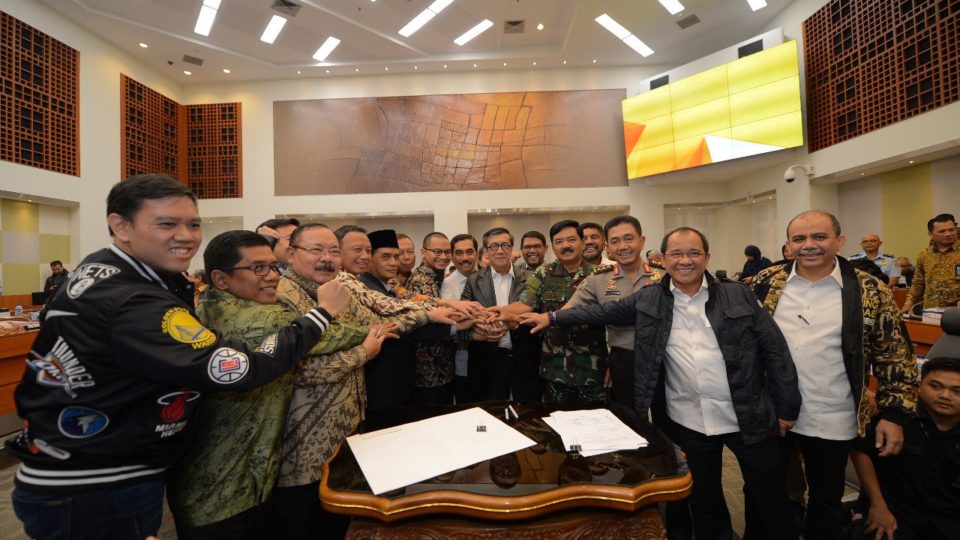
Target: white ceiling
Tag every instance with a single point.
(370, 42)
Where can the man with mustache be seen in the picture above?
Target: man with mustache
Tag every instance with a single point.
(936, 278)
(570, 357)
(465, 264)
(240, 431)
(329, 397)
(611, 282)
(593, 244)
(841, 324)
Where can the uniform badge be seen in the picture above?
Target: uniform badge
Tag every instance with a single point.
(228, 366)
(179, 324)
(175, 405)
(86, 275)
(612, 289)
(81, 422)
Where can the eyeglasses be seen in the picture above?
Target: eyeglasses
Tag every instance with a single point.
(692, 254)
(319, 252)
(260, 269)
(438, 252)
(505, 246)
(532, 246)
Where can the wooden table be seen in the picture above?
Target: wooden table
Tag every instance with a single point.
(922, 335)
(13, 352)
(527, 489)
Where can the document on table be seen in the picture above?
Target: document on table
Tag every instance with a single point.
(399, 456)
(596, 431)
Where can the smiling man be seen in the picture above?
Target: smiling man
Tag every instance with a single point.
(936, 278)
(842, 325)
(593, 243)
(356, 249)
(103, 434)
(241, 431)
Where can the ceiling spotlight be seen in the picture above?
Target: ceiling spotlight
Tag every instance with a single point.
(416, 67)
(328, 71)
(386, 68)
(143, 45)
(298, 72)
(480, 28)
(540, 26)
(474, 65)
(912, 162)
(564, 62)
(324, 51)
(504, 63)
(227, 71)
(534, 62)
(357, 70)
(594, 60)
(185, 72)
(208, 12)
(444, 66)
(273, 29)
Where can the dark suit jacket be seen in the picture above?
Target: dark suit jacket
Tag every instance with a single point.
(479, 287)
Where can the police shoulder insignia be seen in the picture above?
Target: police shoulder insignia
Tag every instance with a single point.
(603, 268)
(179, 324)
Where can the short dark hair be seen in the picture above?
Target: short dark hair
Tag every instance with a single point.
(295, 235)
(678, 230)
(940, 219)
(834, 222)
(426, 239)
(461, 238)
(55, 262)
(564, 224)
(495, 231)
(620, 220)
(223, 251)
(276, 223)
(590, 225)
(534, 234)
(940, 364)
(126, 197)
(345, 230)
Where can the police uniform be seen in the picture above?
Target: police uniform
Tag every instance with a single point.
(570, 356)
(116, 372)
(887, 263)
(609, 283)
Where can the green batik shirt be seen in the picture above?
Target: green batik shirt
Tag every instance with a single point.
(233, 463)
(570, 354)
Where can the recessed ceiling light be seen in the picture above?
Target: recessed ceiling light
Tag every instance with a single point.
(534, 62)
(328, 71)
(416, 67)
(226, 70)
(444, 66)
(424, 17)
(143, 45)
(504, 63)
(324, 51)
(298, 72)
(480, 28)
(474, 65)
(594, 60)
(564, 62)
(757, 4)
(357, 70)
(273, 29)
(861, 174)
(540, 26)
(185, 72)
(386, 68)
(208, 13)
(673, 6)
(624, 35)
(912, 162)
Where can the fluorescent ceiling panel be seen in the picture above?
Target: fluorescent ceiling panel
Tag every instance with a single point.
(634, 43)
(480, 28)
(324, 51)
(757, 4)
(208, 12)
(424, 17)
(673, 6)
(623, 34)
(273, 29)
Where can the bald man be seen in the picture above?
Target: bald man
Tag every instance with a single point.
(871, 250)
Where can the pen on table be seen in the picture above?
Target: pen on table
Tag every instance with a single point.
(515, 415)
(804, 319)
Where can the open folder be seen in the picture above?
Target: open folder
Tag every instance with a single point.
(399, 456)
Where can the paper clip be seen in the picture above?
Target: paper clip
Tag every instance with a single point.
(481, 428)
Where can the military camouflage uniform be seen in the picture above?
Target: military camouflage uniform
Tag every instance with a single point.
(935, 280)
(570, 358)
(330, 396)
(233, 463)
(434, 358)
(883, 349)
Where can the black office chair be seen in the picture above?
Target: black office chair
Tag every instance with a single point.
(948, 345)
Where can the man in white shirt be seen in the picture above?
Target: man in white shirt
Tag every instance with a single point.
(464, 258)
(716, 372)
(840, 324)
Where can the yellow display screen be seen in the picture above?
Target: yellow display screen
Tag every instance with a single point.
(747, 107)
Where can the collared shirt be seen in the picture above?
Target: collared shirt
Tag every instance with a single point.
(452, 289)
(887, 263)
(697, 388)
(502, 283)
(810, 315)
(608, 284)
(936, 280)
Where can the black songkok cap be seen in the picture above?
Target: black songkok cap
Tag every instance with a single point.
(383, 238)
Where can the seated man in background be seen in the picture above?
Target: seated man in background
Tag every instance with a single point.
(281, 229)
(886, 263)
(916, 494)
(222, 486)
(906, 270)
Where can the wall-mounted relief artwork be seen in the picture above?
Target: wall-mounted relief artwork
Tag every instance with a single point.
(513, 140)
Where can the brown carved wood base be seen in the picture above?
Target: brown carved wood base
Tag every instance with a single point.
(644, 524)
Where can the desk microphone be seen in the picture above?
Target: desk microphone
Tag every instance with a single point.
(910, 313)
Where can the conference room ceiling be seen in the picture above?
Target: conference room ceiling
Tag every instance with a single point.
(371, 44)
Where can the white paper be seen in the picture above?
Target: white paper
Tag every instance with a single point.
(399, 456)
(596, 431)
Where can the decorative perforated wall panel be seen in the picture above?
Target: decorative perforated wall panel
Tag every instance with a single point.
(197, 144)
(39, 106)
(870, 63)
